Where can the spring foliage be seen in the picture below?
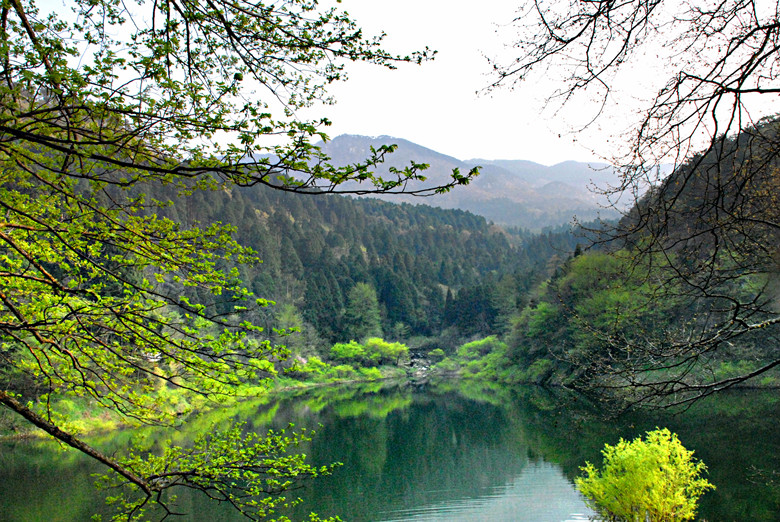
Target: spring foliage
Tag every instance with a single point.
(373, 352)
(655, 479)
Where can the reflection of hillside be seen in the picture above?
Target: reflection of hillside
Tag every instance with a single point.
(734, 434)
(454, 450)
(38, 482)
(473, 443)
(404, 450)
(375, 406)
(426, 453)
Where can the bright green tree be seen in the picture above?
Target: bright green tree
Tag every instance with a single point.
(106, 113)
(655, 480)
(380, 351)
(351, 352)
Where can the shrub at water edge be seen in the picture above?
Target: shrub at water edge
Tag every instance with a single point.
(655, 480)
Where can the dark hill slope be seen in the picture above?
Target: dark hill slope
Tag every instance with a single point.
(315, 248)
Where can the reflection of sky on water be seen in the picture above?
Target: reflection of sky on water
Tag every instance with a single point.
(541, 493)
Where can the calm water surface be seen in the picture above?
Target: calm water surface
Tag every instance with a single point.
(441, 454)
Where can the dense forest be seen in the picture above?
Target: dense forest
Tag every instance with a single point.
(436, 275)
(662, 296)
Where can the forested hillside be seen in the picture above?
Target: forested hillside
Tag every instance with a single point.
(432, 270)
(683, 297)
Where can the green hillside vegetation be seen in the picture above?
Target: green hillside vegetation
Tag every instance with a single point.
(351, 277)
(431, 272)
(679, 300)
(340, 271)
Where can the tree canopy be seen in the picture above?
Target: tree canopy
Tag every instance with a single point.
(103, 105)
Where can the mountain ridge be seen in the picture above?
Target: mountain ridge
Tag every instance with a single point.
(515, 193)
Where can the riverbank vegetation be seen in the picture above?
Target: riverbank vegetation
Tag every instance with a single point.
(661, 309)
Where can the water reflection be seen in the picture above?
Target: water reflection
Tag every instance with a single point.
(455, 453)
(541, 493)
(434, 457)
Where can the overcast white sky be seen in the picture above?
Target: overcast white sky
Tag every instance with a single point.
(441, 104)
(436, 104)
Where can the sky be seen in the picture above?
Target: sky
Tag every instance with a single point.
(442, 104)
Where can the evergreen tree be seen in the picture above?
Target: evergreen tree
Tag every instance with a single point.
(361, 317)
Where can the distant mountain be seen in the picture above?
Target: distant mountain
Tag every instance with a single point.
(508, 192)
(572, 173)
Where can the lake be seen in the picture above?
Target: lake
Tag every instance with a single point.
(454, 452)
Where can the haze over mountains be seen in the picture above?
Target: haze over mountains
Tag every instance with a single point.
(508, 192)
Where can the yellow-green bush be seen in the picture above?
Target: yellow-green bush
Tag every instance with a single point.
(436, 355)
(655, 480)
(480, 348)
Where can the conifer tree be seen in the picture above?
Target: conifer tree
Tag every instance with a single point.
(362, 318)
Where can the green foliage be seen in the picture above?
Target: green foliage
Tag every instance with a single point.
(447, 365)
(436, 355)
(539, 371)
(540, 319)
(296, 334)
(370, 374)
(592, 310)
(361, 317)
(655, 480)
(220, 462)
(480, 348)
(380, 351)
(374, 352)
(482, 359)
(343, 371)
(348, 352)
(316, 370)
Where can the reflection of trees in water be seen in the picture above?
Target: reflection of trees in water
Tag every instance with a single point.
(454, 444)
(402, 448)
(430, 449)
(730, 433)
